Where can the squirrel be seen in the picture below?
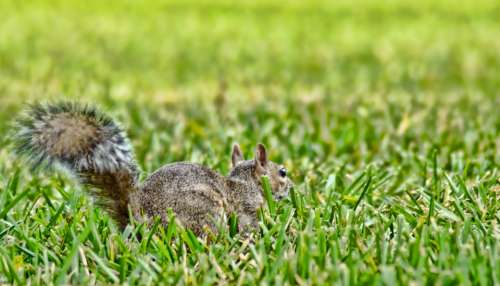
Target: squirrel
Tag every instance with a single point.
(97, 151)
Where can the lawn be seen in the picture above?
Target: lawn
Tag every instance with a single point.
(385, 113)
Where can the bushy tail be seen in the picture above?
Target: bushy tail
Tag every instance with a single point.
(89, 144)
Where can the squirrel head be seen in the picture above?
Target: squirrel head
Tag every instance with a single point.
(253, 170)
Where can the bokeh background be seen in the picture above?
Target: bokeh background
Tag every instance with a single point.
(360, 61)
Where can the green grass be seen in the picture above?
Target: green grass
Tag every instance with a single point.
(385, 112)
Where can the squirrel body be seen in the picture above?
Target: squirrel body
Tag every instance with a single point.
(93, 147)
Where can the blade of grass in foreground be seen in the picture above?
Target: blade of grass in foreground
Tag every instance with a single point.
(62, 276)
(266, 186)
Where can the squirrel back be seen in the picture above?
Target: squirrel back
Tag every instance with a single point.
(88, 143)
(94, 148)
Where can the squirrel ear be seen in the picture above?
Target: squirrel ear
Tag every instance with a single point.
(237, 155)
(260, 157)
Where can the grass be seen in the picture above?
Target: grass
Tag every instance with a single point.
(385, 113)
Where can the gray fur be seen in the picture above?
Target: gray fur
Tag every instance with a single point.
(93, 147)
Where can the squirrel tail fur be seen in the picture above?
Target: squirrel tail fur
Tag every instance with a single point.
(88, 143)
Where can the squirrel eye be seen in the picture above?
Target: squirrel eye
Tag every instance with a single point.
(282, 172)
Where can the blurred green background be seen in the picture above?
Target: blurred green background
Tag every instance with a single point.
(352, 58)
(155, 49)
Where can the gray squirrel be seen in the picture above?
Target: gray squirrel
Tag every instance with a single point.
(95, 149)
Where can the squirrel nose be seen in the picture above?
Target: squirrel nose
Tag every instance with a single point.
(279, 197)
